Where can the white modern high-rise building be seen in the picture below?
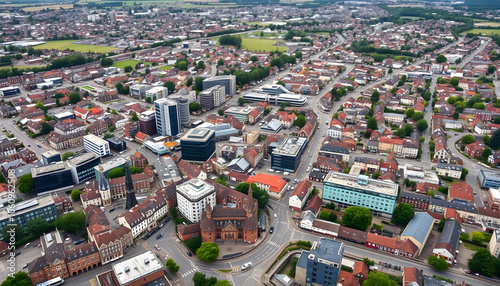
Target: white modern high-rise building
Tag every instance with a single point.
(96, 145)
(192, 198)
(168, 118)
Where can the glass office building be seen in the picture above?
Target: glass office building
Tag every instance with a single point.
(52, 177)
(198, 144)
(360, 190)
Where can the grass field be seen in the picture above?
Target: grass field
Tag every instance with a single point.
(67, 44)
(411, 18)
(53, 7)
(164, 68)
(123, 64)
(19, 67)
(486, 32)
(88, 87)
(257, 45)
(486, 24)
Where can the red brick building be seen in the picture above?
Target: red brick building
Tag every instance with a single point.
(83, 258)
(475, 149)
(138, 160)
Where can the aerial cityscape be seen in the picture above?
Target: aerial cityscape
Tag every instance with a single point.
(249, 142)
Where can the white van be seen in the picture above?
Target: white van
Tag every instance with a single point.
(246, 266)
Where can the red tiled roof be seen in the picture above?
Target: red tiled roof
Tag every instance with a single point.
(275, 183)
(462, 191)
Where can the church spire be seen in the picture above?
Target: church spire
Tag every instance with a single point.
(249, 206)
(131, 200)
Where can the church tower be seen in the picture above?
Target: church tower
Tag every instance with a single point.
(129, 185)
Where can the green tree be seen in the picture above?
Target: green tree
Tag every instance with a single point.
(115, 173)
(189, 82)
(74, 97)
(261, 195)
(479, 105)
(172, 266)
(67, 155)
(372, 123)
(72, 222)
(332, 217)
(45, 128)
(422, 125)
(75, 195)
(182, 65)
(37, 226)
(410, 112)
(465, 236)
(451, 100)
(368, 262)
(220, 112)
(220, 62)
(487, 152)
(495, 140)
(300, 121)
(378, 279)
(431, 193)
(298, 55)
(487, 140)
(147, 99)
(357, 217)
(280, 83)
(17, 230)
(324, 214)
(390, 70)
(483, 263)
(241, 101)
(170, 85)
(403, 213)
(277, 62)
(128, 69)
(19, 279)
(254, 59)
(441, 225)
(26, 183)
(417, 116)
(439, 264)
(194, 106)
(454, 81)
(208, 252)
(134, 117)
(198, 83)
(477, 237)
(193, 243)
(107, 136)
(106, 62)
(468, 139)
(441, 59)
(135, 170)
(375, 96)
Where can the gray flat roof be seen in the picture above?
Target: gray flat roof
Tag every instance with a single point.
(45, 170)
(82, 159)
(198, 134)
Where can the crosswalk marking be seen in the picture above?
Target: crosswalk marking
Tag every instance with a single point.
(236, 268)
(93, 282)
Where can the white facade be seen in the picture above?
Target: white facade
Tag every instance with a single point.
(96, 145)
(157, 92)
(334, 132)
(219, 93)
(192, 198)
(168, 117)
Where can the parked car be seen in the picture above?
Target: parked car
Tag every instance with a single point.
(17, 253)
(167, 219)
(275, 215)
(270, 206)
(159, 236)
(189, 253)
(157, 247)
(25, 265)
(111, 210)
(271, 230)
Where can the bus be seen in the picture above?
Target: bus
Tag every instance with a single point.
(52, 282)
